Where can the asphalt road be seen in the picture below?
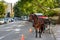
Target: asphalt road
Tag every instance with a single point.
(14, 30)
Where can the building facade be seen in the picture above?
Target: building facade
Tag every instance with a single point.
(9, 10)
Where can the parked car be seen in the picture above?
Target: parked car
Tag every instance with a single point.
(25, 18)
(1, 21)
(12, 20)
(7, 20)
(17, 18)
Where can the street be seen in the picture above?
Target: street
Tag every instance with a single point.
(29, 19)
(14, 31)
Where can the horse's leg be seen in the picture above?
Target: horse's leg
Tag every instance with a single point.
(40, 33)
(42, 28)
(36, 32)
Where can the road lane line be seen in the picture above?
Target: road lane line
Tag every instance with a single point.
(10, 28)
(2, 37)
(17, 30)
(6, 35)
(20, 25)
(9, 32)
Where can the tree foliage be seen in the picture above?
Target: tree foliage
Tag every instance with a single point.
(25, 7)
(2, 9)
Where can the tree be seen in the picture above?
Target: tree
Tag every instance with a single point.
(28, 6)
(47, 6)
(2, 9)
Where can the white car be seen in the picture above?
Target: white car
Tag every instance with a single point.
(1, 21)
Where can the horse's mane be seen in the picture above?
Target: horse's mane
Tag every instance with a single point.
(35, 16)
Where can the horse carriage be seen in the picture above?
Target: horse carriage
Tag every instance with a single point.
(39, 24)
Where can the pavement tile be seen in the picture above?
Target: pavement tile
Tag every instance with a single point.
(56, 31)
(57, 38)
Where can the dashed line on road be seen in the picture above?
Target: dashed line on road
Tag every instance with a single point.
(6, 35)
(2, 37)
(9, 30)
(13, 30)
(20, 25)
(17, 30)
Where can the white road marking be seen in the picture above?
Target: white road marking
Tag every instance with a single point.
(57, 38)
(9, 30)
(2, 37)
(20, 25)
(6, 35)
(6, 30)
(17, 30)
(8, 27)
(52, 36)
(55, 34)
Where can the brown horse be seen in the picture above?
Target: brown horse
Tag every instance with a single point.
(31, 17)
(37, 24)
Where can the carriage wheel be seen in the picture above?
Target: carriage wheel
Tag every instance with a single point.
(49, 30)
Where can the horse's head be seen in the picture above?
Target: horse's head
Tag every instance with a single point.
(30, 17)
(33, 17)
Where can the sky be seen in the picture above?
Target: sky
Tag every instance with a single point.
(11, 1)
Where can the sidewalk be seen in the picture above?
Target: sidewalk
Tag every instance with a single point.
(56, 31)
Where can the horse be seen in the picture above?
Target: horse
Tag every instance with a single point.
(37, 24)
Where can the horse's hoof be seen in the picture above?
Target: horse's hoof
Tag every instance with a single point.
(36, 37)
(39, 36)
(49, 33)
(43, 32)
